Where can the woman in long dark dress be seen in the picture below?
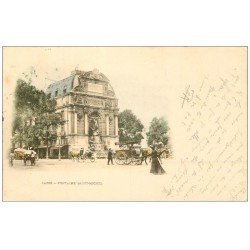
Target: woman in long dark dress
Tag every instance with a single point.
(156, 167)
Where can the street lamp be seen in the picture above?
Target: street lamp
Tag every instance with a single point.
(59, 153)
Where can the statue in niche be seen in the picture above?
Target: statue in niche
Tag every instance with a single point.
(94, 134)
(79, 115)
(94, 127)
(75, 98)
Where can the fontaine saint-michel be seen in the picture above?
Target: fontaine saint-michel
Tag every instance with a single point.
(88, 104)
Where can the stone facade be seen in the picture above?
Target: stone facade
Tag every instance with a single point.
(88, 104)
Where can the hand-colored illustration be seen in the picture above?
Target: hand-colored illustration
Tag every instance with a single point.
(124, 124)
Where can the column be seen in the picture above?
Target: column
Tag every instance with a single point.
(67, 122)
(116, 125)
(75, 123)
(107, 125)
(86, 124)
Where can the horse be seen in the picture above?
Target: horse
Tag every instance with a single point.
(30, 155)
(74, 154)
(147, 152)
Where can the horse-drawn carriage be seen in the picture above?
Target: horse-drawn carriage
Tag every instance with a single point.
(25, 155)
(133, 153)
(128, 153)
(78, 154)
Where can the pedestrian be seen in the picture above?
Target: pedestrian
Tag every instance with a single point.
(110, 156)
(11, 158)
(32, 158)
(81, 153)
(156, 167)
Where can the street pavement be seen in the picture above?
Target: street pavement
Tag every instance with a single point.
(68, 180)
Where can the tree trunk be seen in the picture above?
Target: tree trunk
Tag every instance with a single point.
(47, 151)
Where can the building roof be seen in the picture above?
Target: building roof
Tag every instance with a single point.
(95, 75)
(59, 86)
(63, 87)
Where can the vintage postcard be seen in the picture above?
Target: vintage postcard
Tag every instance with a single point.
(125, 124)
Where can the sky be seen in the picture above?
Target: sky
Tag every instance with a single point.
(138, 75)
(148, 80)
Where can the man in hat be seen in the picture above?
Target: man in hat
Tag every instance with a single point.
(110, 156)
(81, 153)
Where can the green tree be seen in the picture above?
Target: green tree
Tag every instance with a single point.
(35, 118)
(157, 131)
(130, 127)
(30, 101)
(46, 126)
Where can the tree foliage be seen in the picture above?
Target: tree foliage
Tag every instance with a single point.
(35, 118)
(130, 127)
(157, 131)
(30, 100)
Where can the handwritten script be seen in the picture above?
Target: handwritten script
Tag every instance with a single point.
(214, 164)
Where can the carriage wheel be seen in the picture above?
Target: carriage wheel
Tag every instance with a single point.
(128, 160)
(133, 160)
(136, 161)
(92, 159)
(120, 159)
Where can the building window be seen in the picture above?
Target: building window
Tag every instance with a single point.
(56, 93)
(64, 91)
